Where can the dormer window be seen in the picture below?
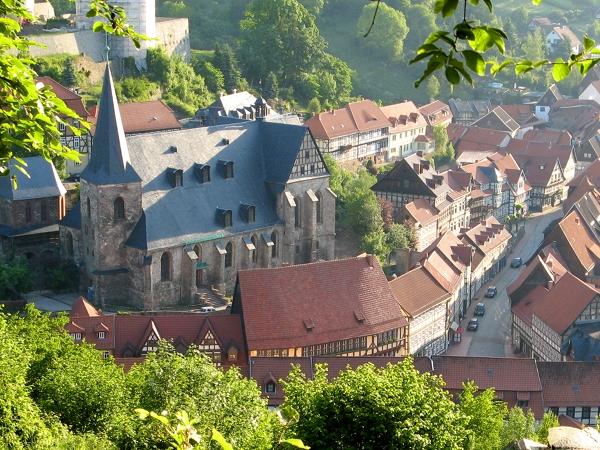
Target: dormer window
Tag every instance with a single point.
(270, 387)
(227, 168)
(225, 217)
(176, 177)
(248, 213)
(151, 344)
(203, 173)
(225, 141)
(101, 334)
(76, 336)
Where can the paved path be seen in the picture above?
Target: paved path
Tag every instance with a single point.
(493, 336)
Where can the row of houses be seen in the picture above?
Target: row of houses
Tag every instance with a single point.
(363, 130)
(555, 300)
(568, 388)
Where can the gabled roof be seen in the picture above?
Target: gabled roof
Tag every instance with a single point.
(565, 33)
(550, 264)
(403, 116)
(110, 162)
(43, 181)
(497, 119)
(548, 136)
(82, 308)
(488, 235)
(355, 117)
(520, 113)
(582, 242)
(538, 169)
(263, 154)
(481, 139)
(545, 149)
(503, 374)
(592, 172)
(416, 301)
(570, 383)
(71, 99)
(549, 305)
(315, 303)
(436, 112)
(585, 187)
(551, 96)
(421, 211)
(474, 107)
(143, 117)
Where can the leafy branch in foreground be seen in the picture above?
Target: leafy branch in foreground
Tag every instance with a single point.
(460, 52)
(116, 21)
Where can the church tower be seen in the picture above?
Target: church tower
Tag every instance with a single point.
(111, 203)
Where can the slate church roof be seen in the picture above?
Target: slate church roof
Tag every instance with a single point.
(174, 213)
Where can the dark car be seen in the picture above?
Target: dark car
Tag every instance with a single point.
(479, 309)
(473, 324)
(516, 263)
(491, 292)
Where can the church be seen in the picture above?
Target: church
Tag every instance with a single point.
(164, 215)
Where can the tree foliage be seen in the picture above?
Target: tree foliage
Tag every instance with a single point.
(371, 408)
(387, 38)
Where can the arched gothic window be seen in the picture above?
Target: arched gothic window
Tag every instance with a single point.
(165, 267)
(119, 209)
(255, 251)
(229, 255)
(274, 247)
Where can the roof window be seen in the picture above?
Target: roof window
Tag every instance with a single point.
(226, 168)
(175, 177)
(202, 172)
(224, 217)
(248, 213)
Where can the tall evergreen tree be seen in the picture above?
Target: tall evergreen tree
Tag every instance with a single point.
(226, 62)
(271, 86)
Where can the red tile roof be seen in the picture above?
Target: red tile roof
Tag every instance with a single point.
(548, 136)
(592, 172)
(421, 211)
(436, 112)
(143, 117)
(503, 374)
(520, 113)
(355, 117)
(538, 169)
(549, 263)
(71, 99)
(549, 304)
(82, 308)
(417, 301)
(488, 235)
(580, 239)
(585, 187)
(570, 383)
(564, 153)
(278, 303)
(403, 116)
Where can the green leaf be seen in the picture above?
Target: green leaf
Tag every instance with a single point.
(561, 70)
(220, 440)
(536, 2)
(98, 26)
(452, 75)
(588, 43)
(446, 7)
(296, 443)
(142, 413)
(474, 61)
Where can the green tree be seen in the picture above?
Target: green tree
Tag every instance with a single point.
(226, 61)
(548, 421)
(412, 409)
(313, 6)
(518, 425)
(433, 88)
(223, 400)
(271, 89)
(422, 23)
(279, 36)
(399, 237)
(85, 391)
(314, 106)
(70, 76)
(387, 37)
(214, 78)
(15, 279)
(375, 243)
(136, 89)
(485, 417)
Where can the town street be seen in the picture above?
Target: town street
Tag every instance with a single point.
(493, 336)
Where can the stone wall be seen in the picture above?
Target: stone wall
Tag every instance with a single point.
(173, 35)
(73, 43)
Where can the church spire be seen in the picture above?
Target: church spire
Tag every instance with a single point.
(109, 162)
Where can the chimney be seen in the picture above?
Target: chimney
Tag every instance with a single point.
(420, 154)
(371, 261)
(417, 167)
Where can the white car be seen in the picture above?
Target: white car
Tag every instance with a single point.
(207, 309)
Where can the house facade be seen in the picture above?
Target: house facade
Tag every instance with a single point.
(184, 210)
(30, 211)
(357, 132)
(436, 113)
(427, 310)
(406, 125)
(343, 307)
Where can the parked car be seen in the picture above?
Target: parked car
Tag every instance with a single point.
(479, 309)
(473, 324)
(491, 292)
(207, 309)
(516, 263)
